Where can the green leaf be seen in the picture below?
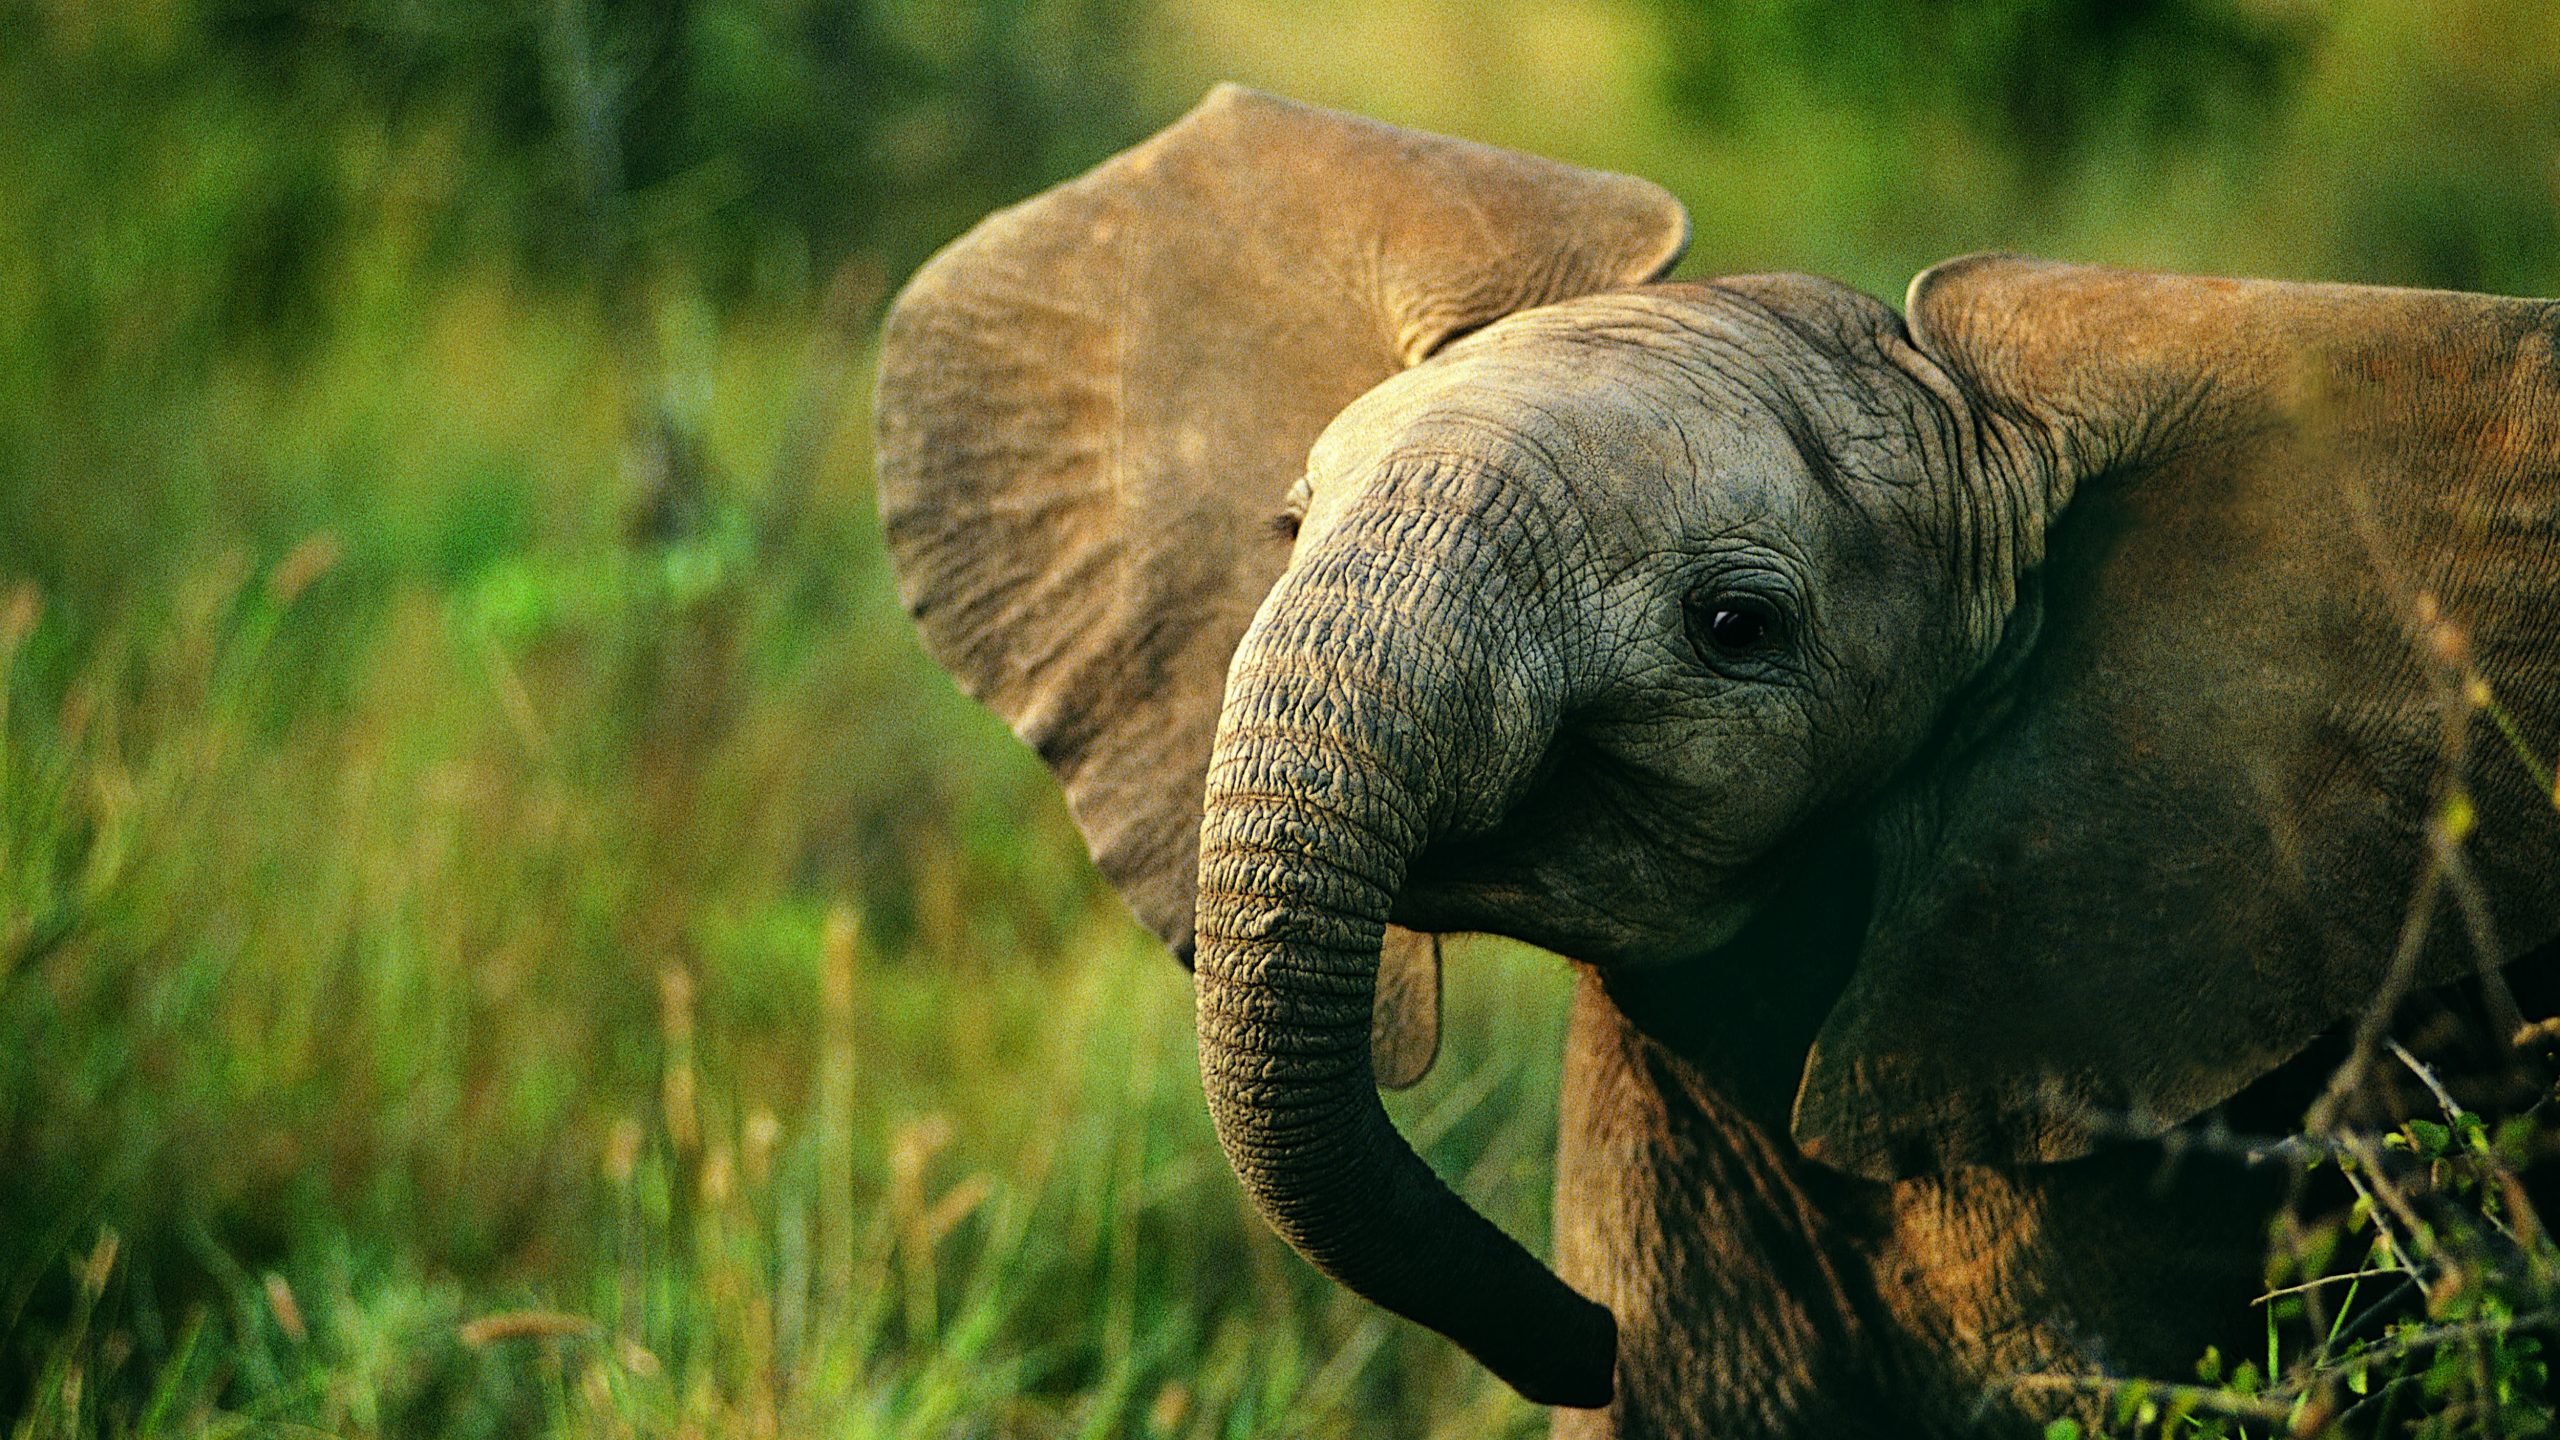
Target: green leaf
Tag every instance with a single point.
(2474, 1132)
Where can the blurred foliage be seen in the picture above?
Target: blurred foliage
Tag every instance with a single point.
(203, 186)
(454, 711)
(2038, 78)
(744, 134)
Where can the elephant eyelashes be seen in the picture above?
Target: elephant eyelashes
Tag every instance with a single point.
(1729, 627)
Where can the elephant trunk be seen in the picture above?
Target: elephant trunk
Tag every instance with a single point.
(1333, 767)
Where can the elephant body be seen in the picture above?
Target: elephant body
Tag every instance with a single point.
(1760, 1294)
(1959, 747)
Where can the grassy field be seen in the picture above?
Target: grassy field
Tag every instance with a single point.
(501, 930)
(470, 972)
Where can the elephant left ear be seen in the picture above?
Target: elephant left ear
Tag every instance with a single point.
(1094, 406)
(2277, 532)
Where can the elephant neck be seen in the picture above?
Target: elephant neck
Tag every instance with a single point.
(1761, 1295)
(1740, 1019)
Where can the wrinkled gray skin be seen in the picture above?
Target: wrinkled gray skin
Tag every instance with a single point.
(1519, 532)
(1574, 482)
(2115, 629)
(1479, 699)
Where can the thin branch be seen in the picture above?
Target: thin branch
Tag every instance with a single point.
(2485, 1327)
(2376, 1020)
(2324, 1280)
(2427, 1077)
(2205, 1398)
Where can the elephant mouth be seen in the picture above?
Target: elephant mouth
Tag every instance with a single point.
(1612, 901)
(1599, 861)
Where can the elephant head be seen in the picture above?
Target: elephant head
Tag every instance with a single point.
(1371, 548)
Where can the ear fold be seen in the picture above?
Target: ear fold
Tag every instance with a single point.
(1093, 405)
(2280, 526)
(1404, 1018)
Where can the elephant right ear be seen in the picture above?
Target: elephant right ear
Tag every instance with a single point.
(1092, 408)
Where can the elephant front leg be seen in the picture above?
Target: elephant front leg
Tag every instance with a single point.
(1735, 1316)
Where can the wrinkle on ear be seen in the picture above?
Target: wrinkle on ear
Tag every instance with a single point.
(1404, 1018)
(2191, 844)
(1091, 405)
(2097, 370)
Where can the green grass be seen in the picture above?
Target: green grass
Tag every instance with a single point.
(464, 971)
(468, 971)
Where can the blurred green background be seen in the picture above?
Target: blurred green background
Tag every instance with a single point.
(501, 931)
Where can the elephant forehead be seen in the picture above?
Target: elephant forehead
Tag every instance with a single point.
(1622, 388)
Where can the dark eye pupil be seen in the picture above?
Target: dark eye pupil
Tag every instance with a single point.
(1737, 629)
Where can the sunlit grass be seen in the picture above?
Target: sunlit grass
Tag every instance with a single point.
(465, 971)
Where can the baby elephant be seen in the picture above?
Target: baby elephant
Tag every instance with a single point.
(1956, 748)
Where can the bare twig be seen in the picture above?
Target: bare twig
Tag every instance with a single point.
(2376, 1020)
(2207, 1398)
(2427, 1077)
(2308, 1285)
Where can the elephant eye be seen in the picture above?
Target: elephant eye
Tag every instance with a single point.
(1293, 509)
(1733, 626)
